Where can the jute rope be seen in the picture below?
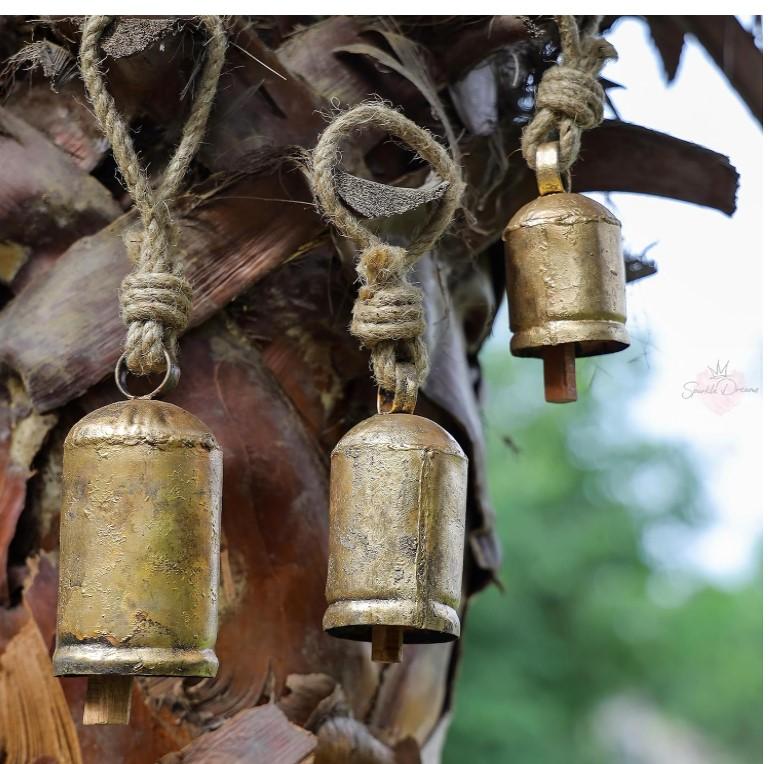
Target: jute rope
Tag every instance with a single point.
(156, 296)
(388, 316)
(569, 98)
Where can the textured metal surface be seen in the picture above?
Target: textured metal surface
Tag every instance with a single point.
(140, 530)
(397, 525)
(565, 276)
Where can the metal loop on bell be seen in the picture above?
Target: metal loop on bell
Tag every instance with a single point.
(171, 378)
(549, 179)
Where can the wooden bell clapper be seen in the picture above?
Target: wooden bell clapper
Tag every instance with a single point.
(141, 481)
(398, 480)
(565, 276)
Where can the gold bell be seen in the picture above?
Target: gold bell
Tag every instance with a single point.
(139, 550)
(397, 526)
(565, 279)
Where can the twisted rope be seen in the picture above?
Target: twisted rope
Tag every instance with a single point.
(156, 296)
(388, 316)
(569, 98)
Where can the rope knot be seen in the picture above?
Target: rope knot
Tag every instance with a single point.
(391, 314)
(161, 297)
(389, 319)
(570, 98)
(155, 306)
(572, 94)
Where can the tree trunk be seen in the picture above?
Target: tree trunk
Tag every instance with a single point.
(268, 363)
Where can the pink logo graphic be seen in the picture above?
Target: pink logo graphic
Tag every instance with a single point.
(719, 389)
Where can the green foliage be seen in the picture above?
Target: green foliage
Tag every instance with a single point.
(587, 612)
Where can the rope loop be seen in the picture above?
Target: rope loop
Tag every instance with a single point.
(570, 98)
(388, 315)
(156, 298)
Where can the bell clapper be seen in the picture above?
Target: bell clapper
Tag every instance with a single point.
(387, 644)
(559, 373)
(108, 699)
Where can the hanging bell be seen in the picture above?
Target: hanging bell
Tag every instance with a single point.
(397, 525)
(140, 527)
(565, 279)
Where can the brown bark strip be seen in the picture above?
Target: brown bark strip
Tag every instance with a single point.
(22, 432)
(303, 695)
(63, 117)
(618, 156)
(476, 42)
(732, 48)
(261, 735)
(46, 201)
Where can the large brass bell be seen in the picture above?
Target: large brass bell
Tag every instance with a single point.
(139, 553)
(397, 525)
(565, 279)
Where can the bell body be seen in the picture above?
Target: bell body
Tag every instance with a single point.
(565, 277)
(139, 546)
(397, 525)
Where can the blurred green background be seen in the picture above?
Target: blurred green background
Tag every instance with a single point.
(593, 651)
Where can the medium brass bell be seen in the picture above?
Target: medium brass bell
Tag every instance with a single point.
(140, 528)
(397, 525)
(565, 279)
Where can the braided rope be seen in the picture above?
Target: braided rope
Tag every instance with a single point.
(388, 315)
(156, 297)
(569, 98)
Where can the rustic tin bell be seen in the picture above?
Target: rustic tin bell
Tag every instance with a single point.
(140, 527)
(397, 525)
(142, 479)
(565, 279)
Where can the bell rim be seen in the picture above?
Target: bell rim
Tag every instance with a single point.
(590, 338)
(96, 659)
(354, 619)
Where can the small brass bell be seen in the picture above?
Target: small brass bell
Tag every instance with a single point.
(397, 525)
(140, 529)
(565, 279)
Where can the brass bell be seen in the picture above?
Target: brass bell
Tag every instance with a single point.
(565, 279)
(397, 526)
(139, 551)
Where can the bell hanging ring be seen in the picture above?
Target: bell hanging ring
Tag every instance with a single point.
(139, 551)
(397, 525)
(565, 279)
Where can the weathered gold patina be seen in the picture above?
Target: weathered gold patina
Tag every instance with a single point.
(565, 276)
(139, 552)
(397, 525)
(565, 279)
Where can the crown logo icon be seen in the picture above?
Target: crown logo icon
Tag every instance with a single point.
(719, 372)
